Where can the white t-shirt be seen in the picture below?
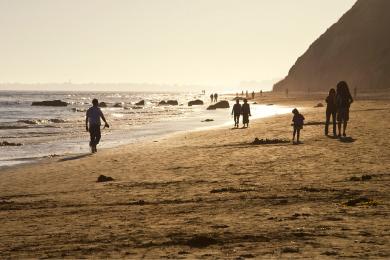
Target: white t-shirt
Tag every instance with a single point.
(94, 114)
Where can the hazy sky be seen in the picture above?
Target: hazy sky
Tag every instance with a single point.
(158, 41)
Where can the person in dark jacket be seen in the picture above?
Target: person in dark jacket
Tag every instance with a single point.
(246, 113)
(298, 124)
(343, 101)
(236, 112)
(331, 110)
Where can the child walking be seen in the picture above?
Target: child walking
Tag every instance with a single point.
(298, 124)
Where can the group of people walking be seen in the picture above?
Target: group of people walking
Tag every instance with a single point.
(338, 103)
(243, 110)
(214, 97)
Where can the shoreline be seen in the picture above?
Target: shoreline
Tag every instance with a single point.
(192, 120)
(211, 194)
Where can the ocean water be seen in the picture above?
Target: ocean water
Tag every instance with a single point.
(50, 131)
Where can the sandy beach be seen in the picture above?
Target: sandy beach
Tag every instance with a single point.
(211, 194)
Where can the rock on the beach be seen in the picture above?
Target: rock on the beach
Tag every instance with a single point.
(319, 105)
(5, 143)
(102, 104)
(162, 103)
(220, 104)
(172, 102)
(51, 103)
(208, 120)
(197, 102)
(103, 178)
(118, 105)
(141, 103)
(258, 141)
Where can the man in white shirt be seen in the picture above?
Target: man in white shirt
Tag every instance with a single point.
(93, 119)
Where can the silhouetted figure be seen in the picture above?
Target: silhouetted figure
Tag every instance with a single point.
(331, 110)
(343, 101)
(246, 94)
(253, 95)
(236, 94)
(236, 111)
(211, 97)
(298, 124)
(93, 119)
(286, 92)
(246, 113)
(215, 97)
(242, 93)
(261, 93)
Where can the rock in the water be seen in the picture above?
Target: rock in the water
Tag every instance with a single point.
(172, 102)
(220, 104)
(51, 103)
(319, 105)
(197, 102)
(141, 103)
(57, 120)
(103, 178)
(208, 120)
(102, 104)
(162, 103)
(118, 105)
(5, 143)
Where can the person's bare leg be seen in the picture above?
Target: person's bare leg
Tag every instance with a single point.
(339, 127)
(295, 130)
(298, 134)
(345, 128)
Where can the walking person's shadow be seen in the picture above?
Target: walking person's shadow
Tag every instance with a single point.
(347, 139)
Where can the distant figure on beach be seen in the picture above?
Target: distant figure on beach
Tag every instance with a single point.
(246, 94)
(246, 113)
(236, 111)
(211, 97)
(298, 124)
(343, 101)
(215, 97)
(253, 95)
(242, 93)
(261, 93)
(331, 110)
(93, 119)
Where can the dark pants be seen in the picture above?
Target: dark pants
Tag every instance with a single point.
(330, 113)
(94, 132)
(236, 119)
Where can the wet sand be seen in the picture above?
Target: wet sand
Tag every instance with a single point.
(211, 194)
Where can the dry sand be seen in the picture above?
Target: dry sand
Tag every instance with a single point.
(210, 194)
